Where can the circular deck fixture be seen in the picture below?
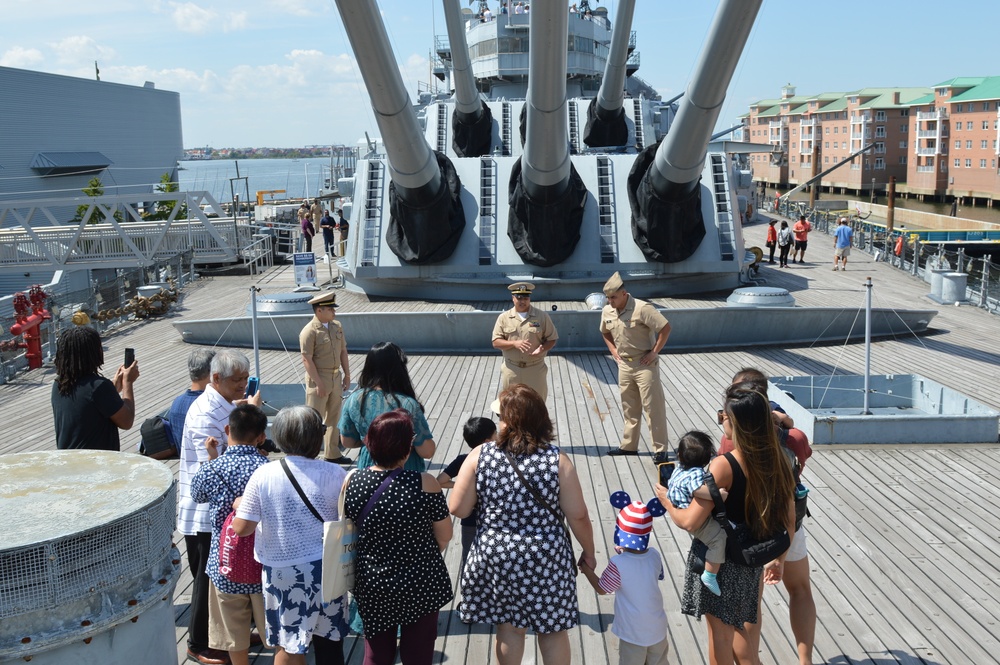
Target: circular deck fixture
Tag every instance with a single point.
(760, 296)
(89, 567)
(284, 303)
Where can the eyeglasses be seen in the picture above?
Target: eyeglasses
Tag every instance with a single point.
(721, 414)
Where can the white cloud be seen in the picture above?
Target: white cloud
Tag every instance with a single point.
(21, 58)
(236, 21)
(189, 17)
(73, 50)
(294, 7)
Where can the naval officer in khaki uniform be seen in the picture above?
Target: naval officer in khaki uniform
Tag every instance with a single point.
(328, 372)
(524, 334)
(635, 333)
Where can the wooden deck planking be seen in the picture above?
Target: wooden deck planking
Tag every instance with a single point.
(890, 541)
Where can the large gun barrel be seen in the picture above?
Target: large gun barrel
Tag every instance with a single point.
(467, 103)
(546, 194)
(606, 124)
(667, 221)
(681, 155)
(426, 216)
(472, 122)
(546, 149)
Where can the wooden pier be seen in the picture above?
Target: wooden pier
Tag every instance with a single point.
(904, 540)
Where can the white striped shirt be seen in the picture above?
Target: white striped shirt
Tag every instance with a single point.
(207, 416)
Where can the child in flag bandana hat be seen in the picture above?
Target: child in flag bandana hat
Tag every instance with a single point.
(632, 575)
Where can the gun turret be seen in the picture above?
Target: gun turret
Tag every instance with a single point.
(663, 185)
(546, 195)
(426, 217)
(606, 124)
(472, 121)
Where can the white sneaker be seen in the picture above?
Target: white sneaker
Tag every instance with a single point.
(836, 268)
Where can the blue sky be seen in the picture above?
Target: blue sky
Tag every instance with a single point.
(281, 73)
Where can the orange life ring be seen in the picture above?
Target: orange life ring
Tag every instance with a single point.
(899, 245)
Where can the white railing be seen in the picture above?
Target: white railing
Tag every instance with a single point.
(928, 133)
(31, 235)
(937, 114)
(929, 151)
(925, 169)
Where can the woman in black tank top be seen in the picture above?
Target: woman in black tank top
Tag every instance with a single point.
(759, 480)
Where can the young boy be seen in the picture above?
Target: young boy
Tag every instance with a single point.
(476, 432)
(694, 452)
(218, 482)
(632, 575)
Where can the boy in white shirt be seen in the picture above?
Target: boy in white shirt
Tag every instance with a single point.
(632, 575)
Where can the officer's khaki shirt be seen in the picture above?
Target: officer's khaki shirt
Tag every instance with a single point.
(537, 327)
(324, 345)
(634, 329)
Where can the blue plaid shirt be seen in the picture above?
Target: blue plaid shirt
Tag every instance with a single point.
(682, 485)
(218, 483)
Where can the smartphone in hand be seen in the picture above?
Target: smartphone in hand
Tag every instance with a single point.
(666, 469)
(252, 384)
(129, 357)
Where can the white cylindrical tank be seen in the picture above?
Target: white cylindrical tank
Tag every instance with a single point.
(88, 565)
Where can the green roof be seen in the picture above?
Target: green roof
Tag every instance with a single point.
(920, 101)
(961, 82)
(773, 111)
(838, 104)
(883, 97)
(989, 89)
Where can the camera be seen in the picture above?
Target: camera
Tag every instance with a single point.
(268, 446)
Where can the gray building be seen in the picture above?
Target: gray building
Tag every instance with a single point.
(59, 132)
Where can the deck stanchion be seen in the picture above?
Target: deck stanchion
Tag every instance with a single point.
(253, 321)
(868, 343)
(983, 295)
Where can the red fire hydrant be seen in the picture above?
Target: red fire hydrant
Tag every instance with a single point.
(29, 313)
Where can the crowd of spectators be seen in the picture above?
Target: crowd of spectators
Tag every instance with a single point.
(518, 496)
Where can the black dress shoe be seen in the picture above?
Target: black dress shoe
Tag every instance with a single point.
(209, 656)
(616, 452)
(343, 459)
(661, 458)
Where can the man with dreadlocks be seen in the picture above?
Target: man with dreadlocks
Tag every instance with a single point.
(88, 408)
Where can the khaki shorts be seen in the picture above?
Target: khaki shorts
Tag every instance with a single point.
(842, 252)
(229, 616)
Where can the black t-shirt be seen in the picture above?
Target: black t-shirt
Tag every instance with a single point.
(452, 471)
(83, 418)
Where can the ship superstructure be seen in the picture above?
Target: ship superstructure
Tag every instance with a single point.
(547, 160)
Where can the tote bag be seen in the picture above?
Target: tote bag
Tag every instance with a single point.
(339, 539)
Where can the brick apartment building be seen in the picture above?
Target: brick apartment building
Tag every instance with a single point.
(957, 141)
(939, 142)
(813, 133)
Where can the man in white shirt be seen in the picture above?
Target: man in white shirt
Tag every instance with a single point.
(204, 439)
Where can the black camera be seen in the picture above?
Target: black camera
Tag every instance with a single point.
(268, 446)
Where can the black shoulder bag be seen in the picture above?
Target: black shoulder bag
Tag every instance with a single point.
(741, 545)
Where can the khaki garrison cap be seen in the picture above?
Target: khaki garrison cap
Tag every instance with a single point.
(613, 285)
(329, 298)
(521, 288)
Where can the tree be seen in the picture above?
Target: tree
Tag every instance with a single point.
(94, 189)
(164, 208)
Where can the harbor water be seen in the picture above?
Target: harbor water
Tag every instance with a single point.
(299, 178)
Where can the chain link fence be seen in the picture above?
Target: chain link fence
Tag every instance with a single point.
(113, 298)
(902, 249)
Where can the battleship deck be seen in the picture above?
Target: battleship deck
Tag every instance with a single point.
(904, 542)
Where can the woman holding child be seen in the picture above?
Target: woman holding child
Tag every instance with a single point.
(759, 480)
(520, 573)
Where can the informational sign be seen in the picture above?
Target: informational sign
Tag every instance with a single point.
(305, 267)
